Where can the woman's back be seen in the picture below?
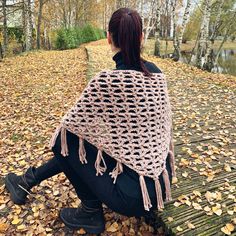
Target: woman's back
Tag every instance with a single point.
(133, 188)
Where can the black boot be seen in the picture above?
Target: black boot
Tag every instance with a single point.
(90, 217)
(19, 186)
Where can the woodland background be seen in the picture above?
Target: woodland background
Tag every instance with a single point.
(197, 32)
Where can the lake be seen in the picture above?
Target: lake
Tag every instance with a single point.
(226, 63)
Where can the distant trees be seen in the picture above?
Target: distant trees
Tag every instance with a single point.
(204, 21)
(211, 20)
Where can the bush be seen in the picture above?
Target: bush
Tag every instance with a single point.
(73, 37)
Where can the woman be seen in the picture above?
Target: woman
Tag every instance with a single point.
(92, 151)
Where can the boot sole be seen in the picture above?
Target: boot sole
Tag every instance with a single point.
(88, 228)
(11, 189)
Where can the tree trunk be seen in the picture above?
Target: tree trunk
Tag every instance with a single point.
(174, 22)
(29, 26)
(5, 34)
(64, 14)
(39, 24)
(1, 52)
(157, 50)
(208, 60)
(227, 33)
(179, 36)
(204, 34)
(151, 21)
(69, 13)
(166, 24)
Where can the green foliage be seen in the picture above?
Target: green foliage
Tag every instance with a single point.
(193, 26)
(73, 37)
(14, 33)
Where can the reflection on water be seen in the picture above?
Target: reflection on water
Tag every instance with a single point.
(226, 62)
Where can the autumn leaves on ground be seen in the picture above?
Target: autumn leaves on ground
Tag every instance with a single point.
(37, 88)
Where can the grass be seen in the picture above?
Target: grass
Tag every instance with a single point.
(149, 47)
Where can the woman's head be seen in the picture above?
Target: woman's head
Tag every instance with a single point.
(125, 33)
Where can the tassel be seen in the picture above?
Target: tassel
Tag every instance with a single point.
(160, 203)
(82, 151)
(172, 162)
(64, 147)
(167, 185)
(100, 169)
(146, 199)
(172, 166)
(54, 136)
(116, 171)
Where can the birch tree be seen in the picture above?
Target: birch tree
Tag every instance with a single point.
(178, 37)
(208, 59)
(204, 34)
(39, 24)
(150, 19)
(147, 11)
(27, 15)
(174, 22)
(157, 50)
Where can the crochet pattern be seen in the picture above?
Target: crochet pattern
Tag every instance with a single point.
(127, 115)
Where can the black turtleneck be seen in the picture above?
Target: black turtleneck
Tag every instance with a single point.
(120, 65)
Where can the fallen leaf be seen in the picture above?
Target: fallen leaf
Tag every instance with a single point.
(16, 221)
(170, 219)
(3, 227)
(217, 211)
(179, 228)
(190, 225)
(113, 228)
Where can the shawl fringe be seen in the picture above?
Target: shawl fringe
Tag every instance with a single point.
(172, 162)
(100, 169)
(82, 151)
(160, 203)
(146, 199)
(116, 171)
(54, 136)
(167, 185)
(64, 146)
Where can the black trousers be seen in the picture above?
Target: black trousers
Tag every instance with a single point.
(123, 197)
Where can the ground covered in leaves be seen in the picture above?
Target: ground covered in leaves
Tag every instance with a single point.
(36, 89)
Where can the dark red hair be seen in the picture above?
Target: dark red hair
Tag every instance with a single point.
(125, 27)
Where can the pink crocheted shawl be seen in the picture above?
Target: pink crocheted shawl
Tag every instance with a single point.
(128, 116)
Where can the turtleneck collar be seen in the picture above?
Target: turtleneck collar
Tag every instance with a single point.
(120, 64)
(118, 58)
